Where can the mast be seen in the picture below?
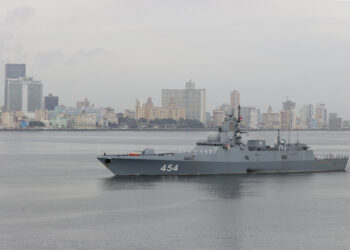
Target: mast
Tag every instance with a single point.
(237, 130)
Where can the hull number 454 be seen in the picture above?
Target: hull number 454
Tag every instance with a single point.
(169, 168)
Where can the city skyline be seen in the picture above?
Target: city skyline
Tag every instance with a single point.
(158, 101)
(25, 95)
(118, 50)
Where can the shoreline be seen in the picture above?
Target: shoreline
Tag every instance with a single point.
(161, 130)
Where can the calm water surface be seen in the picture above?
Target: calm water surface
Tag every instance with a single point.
(55, 195)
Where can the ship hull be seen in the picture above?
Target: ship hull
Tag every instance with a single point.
(129, 166)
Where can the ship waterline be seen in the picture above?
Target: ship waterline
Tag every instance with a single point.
(130, 166)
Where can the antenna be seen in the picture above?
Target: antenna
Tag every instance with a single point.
(239, 113)
(288, 132)
(298, 136)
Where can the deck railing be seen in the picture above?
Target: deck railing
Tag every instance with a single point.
(331, 157)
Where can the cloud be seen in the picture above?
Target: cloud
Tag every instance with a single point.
(123, 49)
(19, 16)
(11, 27)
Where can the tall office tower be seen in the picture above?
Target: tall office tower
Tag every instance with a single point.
(250, 117)
(191, 99)
(12, 71)
(335, 122)
(24, 94)
(235, 102)
(288, 105)
(218, 117)
(288, 119)
(321, 115)
(288, 115)
(307, 114)
(51, 102)
(138, 109)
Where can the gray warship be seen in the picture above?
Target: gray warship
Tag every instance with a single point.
(224, 153)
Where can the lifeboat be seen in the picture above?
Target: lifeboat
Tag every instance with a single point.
(134, 154)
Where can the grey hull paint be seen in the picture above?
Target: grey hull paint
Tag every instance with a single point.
(129, 166)
(225, 153)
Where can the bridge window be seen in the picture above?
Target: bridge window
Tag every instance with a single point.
(284, 157)
(246, 157)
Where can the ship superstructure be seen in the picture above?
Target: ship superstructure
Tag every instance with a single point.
(225, 153)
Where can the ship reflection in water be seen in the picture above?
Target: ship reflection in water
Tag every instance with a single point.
(220, 186)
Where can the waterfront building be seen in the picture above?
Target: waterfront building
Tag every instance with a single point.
(8, 120)
(284, 120)
(335, 122)
(346, 124)
(84, 104)
(138, 109)
(270, 120)
(149, 112)
(288, 105)
(51, 102)
(321, 115)
(131, 114)
(84, 121)
(192, 100)
(249, 117)
(235, 102)
(110, 116)
(59, 122)
(72, 112)
(218, 117)
(12, 71)
(24, 94)
(288, 119)
(172, 111)
(42, 115)
(288, 115)
(306, 115)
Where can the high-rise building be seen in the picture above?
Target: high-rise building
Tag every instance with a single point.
(138, 114)
(307, 115)
(224, 107)
(335, 122)
(288, 119)
(321, 115)
(235, 102)
(288, 115)
(270, 120)
(35, 96)
(288, 105)
(191, 99)
(249, 117)
(51, 102)
(150, 112)
(218, 117)
(12, 71)
(24, 94)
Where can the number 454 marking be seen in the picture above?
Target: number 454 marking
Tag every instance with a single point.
(170, 168)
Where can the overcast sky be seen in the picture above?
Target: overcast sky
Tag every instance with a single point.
(114, 51)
